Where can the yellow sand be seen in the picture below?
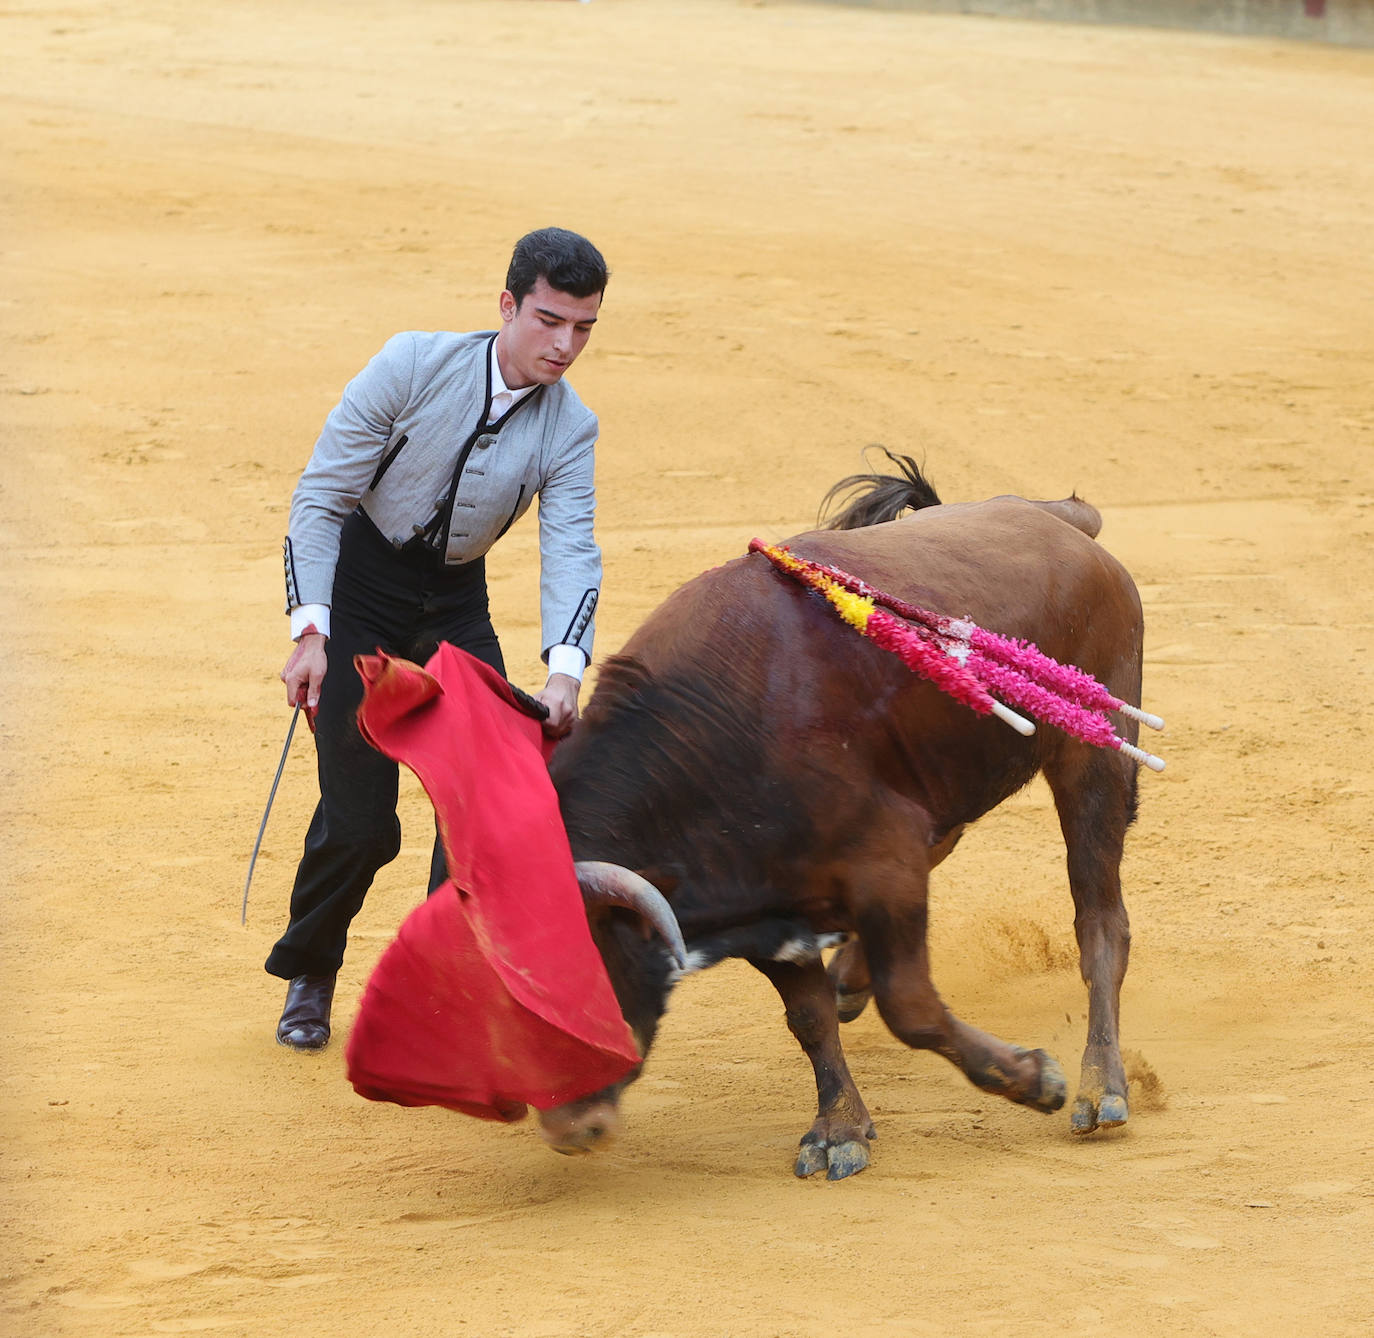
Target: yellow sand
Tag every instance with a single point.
(1134, 264)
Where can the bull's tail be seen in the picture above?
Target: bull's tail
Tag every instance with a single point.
(873, 498)
(876, 498)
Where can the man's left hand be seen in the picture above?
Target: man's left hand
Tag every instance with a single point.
(560, 696)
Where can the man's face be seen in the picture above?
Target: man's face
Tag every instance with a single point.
(541, 337)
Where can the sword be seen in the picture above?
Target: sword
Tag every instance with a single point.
(276, 780)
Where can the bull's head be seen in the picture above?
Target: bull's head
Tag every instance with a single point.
(582, 1126)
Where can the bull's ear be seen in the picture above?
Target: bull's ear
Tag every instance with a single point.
(614, 885)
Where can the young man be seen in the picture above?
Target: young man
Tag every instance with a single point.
(437, 447)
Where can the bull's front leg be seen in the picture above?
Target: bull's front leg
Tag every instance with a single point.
(837, 1142)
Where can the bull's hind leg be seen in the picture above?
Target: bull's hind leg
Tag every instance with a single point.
(837, 1142)
(1095, 793)
(891, 918)
(848, 972)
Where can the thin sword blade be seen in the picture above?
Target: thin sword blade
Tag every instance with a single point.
(272, 794)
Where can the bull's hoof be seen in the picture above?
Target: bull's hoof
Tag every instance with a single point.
(850, 1005)
(837, 1160)
(1112, 1112)
(845, 1160)
(1052, 1090)
(1109, 1111)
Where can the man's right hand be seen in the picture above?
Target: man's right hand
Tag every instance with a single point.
(304, 672)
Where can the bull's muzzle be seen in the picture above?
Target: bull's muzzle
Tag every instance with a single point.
(580, 1128)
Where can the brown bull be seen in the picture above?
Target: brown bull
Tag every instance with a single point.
(782, 780)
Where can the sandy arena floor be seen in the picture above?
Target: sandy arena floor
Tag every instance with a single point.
(1135, 264)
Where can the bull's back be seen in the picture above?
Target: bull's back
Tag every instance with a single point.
(1012, 566)
(778, 652)
(1008, 564)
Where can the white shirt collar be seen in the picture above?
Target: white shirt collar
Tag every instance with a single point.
(500, 388)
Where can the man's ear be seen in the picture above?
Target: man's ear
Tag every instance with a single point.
(509, 306)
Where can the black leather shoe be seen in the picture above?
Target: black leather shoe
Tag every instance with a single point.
(304, 1021)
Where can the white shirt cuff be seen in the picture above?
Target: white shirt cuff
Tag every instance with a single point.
(305, 614)
(565, 659)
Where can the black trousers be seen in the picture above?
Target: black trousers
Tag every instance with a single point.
(403, 602)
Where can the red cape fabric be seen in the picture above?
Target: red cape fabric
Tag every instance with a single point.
(492, 996)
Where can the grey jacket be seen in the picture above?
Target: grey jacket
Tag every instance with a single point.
(391, 446)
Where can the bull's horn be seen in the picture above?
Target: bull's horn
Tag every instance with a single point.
(612, 885)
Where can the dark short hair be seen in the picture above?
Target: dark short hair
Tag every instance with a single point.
(566, 260)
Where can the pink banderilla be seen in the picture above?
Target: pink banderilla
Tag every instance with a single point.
(970, 663)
